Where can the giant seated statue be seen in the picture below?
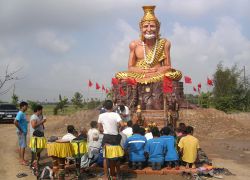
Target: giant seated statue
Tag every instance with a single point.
(149, 62)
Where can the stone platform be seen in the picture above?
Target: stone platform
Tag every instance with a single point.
(148, 96)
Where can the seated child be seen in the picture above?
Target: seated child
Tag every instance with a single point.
(171, 156)
(148, 133)
(155, 150)
(128, 131)
(189, 146)
(93, 152)
(135, 146)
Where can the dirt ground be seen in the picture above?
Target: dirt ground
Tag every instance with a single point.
(224, 137)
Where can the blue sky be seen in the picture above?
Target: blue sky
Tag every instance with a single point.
(60, 44)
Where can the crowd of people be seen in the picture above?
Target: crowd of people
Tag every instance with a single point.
(113, 139)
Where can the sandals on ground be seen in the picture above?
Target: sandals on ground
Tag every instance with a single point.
(20, 175)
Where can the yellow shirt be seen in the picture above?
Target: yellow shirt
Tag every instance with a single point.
(189, 144)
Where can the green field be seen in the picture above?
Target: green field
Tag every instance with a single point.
(48, 109)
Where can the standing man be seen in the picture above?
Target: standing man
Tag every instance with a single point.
(109, 123)
(22, 127)
(37, 121)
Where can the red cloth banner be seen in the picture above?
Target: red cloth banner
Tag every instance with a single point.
(194, 89)
(115, 81)
(187, 79)
(131, 81)
(103, 88)
(122, 92)
(167, 85)
(107, 91)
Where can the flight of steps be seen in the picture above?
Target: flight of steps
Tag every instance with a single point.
(154, 116)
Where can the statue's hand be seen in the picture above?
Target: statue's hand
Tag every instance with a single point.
(150, 70)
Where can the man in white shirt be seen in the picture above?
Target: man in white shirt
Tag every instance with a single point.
(37, 120)
(70, 135)
(37, 124)
(124, 112)
(109, 122)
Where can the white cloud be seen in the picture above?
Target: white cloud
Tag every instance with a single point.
(120, 49)
(196, 52)
(50, 41)
(193, 8)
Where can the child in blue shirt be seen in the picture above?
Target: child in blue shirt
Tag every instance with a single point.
(135, 146)
(171, 155)
(155, 150)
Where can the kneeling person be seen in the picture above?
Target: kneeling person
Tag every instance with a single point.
(171, 156)
(155, 150)
(189, 146)
(135, 146)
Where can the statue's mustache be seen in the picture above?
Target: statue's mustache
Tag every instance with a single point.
(149, 36)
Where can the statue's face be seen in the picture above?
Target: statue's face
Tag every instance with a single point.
(149, 29)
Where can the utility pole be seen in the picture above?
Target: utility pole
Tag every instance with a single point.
(244, 73)
(14, 89)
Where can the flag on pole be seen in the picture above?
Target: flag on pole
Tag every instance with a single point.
(90, 83)
(194, 88)
(122, 93)
(115, 81)
(97, 86)
(199, 86)
(167, 86)
(103, 88)
(210, 82)
(107, 91)
(187, 79)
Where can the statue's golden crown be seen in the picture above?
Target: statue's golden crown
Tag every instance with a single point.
(149, 14)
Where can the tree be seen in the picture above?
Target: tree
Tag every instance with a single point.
(32, 104)
(77, 100)
(61, 104)
(230, 93)
(8, 76)
(225, 80)
(205, 99)
(15, 99)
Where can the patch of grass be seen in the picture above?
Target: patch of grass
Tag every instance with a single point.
(48, 109)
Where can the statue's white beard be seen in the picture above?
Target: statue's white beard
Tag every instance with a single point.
(149, 36)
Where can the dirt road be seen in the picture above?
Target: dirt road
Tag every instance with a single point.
(231, 151)
(9, 159)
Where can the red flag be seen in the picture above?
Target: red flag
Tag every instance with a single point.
(122, 93)
(115, 81)
(131, 81)
(167, 85)
(107, 91)
(187, 79)
(90, 83)
(199, 86)
(194, 89)
(97, 86)
(210, 82)
(103, 88)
